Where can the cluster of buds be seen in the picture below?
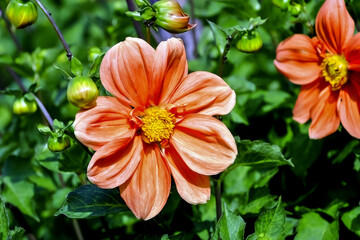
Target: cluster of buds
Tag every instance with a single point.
(166, 14)
(22, 13)
(293, 6)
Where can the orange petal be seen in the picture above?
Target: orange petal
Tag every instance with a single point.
(170, 67)
(192, 187)
(349, 106)
(204, 143)
(114, 163)
(352, 53)
(297, 59)
(307, 98)
(205, 93)
(146, 192)
(334, 25)
(125, 71)
(107, 121)
(324, 115)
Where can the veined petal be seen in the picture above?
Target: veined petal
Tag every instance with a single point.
(334, 25)
(146, 192)
(352, 53)
(107, 121)
(170, 67)
(307, 98)
(204, 143)
(349, 106)
(205, 93)
(297, 59)
(126, 69)
(324, 115)
(194, 188)
(114, 163)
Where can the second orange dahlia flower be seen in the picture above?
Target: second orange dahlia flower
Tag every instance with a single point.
(328, 68)
(158, 124)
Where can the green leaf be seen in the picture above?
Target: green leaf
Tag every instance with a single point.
(65, 73)
(44, 130)
(4, 221)
(313, 226)
(271, 224)
(256, 22)
(16, 234)
(76, 67)
(73, 159)
(260, 154)
(220, 37)
(346, 151)
(351, 220)
(230, 226)
(47, 158)
(20, 194)
(90, 201)
(95, 65)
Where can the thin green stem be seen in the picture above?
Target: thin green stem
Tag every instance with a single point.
(218, 199)
(51, 20)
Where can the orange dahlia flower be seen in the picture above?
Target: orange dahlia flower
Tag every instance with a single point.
(157, 124)
(328, 68)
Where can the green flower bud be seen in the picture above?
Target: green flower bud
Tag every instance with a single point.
(283, 4)
(170, 16)
(57, 144)
(250, 42)
(295, 9)
(82, 92)
(21, 13)
(24, 106)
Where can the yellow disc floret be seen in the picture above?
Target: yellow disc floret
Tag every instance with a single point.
(158, 124)
(334, 70)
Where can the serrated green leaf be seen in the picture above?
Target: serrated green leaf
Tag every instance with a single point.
(260, 154)
(4, 221)
(20, 194)
(90, 201)
(271, 224)
(230, 226)
(76, 67)
(220, 36)
(313, 226)
(351, 220)
(16, 234)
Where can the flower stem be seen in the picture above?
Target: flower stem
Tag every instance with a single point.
(223, 57)
(193, 32)
(148, 35)
(51, 20)
(12, 34)
(137, 25)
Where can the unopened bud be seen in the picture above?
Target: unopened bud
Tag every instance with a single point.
(21, 13)
(250, 42)
(82, 92)
(24, 106)
(57, 144)
(170, 16)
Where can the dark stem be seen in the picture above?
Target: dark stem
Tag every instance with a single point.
(193, 31)
(77, 229)
(137, 25)
(12, 34)
(51, 20)
(223, 57)
(218, 199)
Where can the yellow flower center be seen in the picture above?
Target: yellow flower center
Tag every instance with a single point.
(158, 124)
(334, 70)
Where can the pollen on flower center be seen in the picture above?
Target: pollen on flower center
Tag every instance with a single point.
(334, 70)
(158, 124)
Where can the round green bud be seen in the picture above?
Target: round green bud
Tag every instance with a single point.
(21, 13)
(24, 106)
(82, 92)
(295, 9)
(250, 42)
(57, 144)
(171, 17)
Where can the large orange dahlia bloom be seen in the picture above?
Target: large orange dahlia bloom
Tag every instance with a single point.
(328, 68)
(157, 124)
